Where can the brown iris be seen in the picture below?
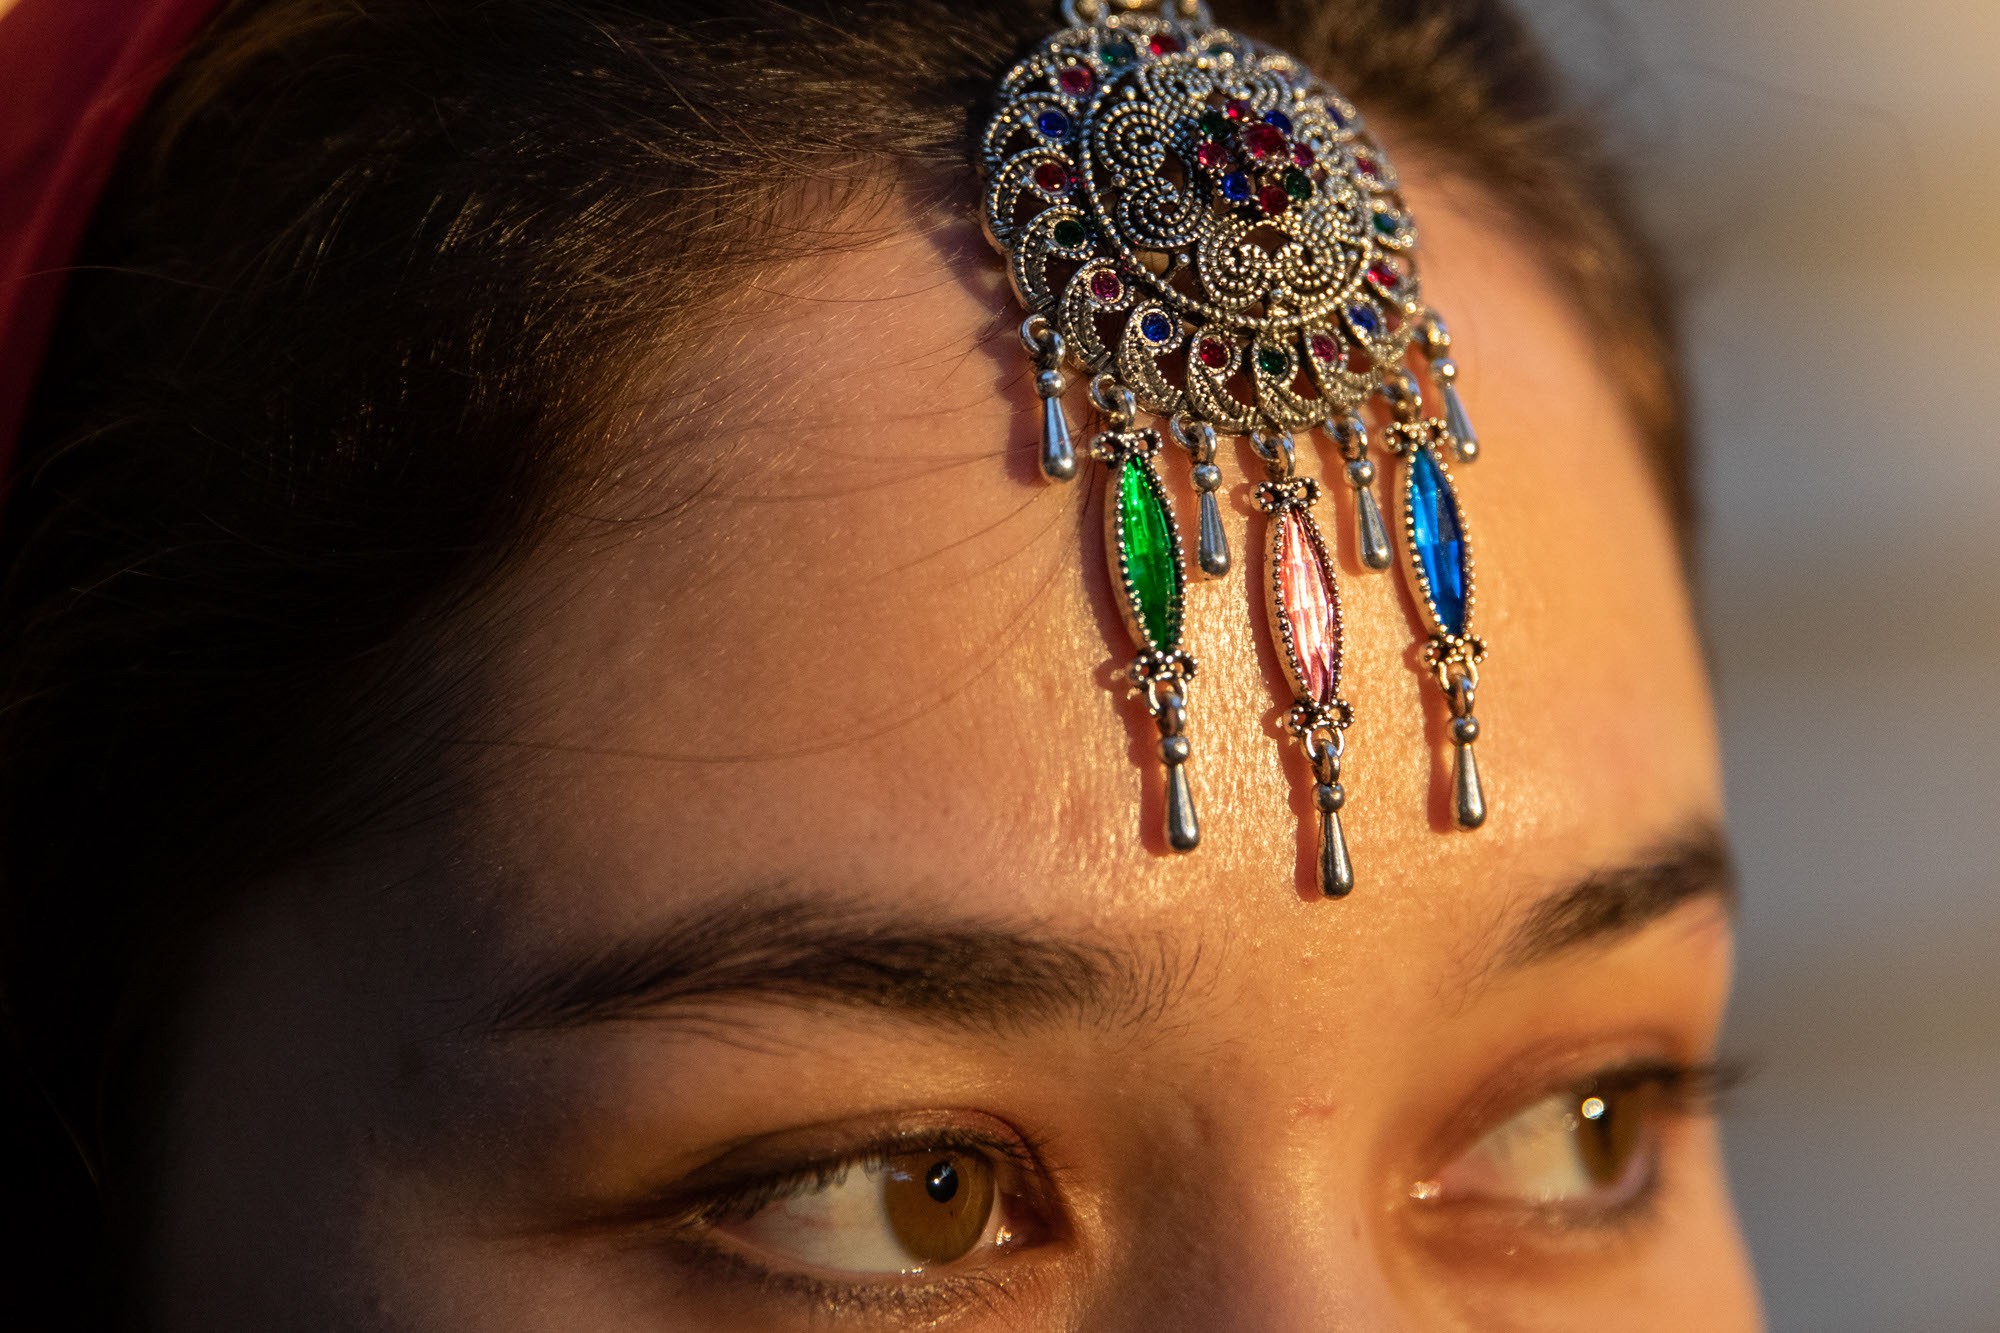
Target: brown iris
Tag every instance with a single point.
(938, 1203)
(1609, 1127)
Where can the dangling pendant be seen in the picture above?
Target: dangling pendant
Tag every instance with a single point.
(1046, 346)
(1371, 533)
(1143, 547)
(1302, 606)
(1437, 346)
(1212, 545)
(1440, 569)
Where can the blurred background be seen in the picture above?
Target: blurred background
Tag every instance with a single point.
(1827, 179)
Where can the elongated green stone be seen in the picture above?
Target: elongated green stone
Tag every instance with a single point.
(1152, 574)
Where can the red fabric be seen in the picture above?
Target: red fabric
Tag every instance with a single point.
(73, 76)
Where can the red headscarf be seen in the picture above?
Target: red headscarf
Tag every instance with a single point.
(73, 75)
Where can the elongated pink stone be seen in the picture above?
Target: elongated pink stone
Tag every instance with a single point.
(1311, 608)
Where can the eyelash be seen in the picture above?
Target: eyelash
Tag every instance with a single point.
(1686, 1090)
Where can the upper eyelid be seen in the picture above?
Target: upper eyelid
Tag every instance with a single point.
(781, 1181)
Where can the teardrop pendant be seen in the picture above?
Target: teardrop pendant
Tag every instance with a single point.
(1183, 826)
(1214, 553)
(1374, 533)
(1468, 806)
(1465, 443)
(1058, 452)
(1336, 869)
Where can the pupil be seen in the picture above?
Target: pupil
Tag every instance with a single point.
(942, 1182)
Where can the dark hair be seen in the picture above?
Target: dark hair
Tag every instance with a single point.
(365, 303)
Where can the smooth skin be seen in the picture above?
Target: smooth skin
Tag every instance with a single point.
(830, 663)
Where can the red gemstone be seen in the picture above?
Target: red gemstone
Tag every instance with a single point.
(1105, 286)
(1165, 44)
(1076, 80)
(1311, 608)
(1323, 347)
(1238, 109)
(1213, 354)
(1273, 200)
(1368, 167)
(1303, 155)
(1264, 140)
(1053, 177)
(1385, 277)
(1212, 155)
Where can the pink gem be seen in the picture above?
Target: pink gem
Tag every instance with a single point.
(1323, 347)
(1368, 167)
(1264, 140)
(1213, 354)
(1164, 45)
(1053, 177)
(1212, 155)
(1076, 80)
(1273, 199)
(1238, 110)
(1311, 608)
(1385, 277)
(1303, 155)
(1105, 286)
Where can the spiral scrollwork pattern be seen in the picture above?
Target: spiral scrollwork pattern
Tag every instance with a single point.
(1204, 218)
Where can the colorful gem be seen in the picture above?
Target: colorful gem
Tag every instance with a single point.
(1272, 361)
(1236, 186)
(1053, 178)
(1152, 573)
(1105, 286)
(1213, 353)
(1156, 327)
(1117, 53)
(1070, 233)
(1368, 167)
(1310, 605)
(1273, 200)
(1076, 80)
(1279, 120)
(1437, 540)
(1053, 124)
(1303, 155)
(1364, 318)
(1323, 347)
(1212, 155)
(1385, 277)
(1214, 124)
(1264, 141)
(1164, 44)
(1388, 224)
(1238, 109)
(1297, 184)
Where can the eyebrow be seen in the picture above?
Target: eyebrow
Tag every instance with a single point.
(996, 977)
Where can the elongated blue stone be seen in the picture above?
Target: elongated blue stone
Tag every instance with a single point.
(1438, 539)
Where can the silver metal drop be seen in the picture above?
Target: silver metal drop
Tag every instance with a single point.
(1374, 535)
(1463, 439)
(1336, 870)
(1058, 453)
(1214, 547)
(1468, 798)
(1183, 826)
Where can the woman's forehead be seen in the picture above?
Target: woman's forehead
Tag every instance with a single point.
(874, 653)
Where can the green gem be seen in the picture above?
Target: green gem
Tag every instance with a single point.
(1214, 124)
(1297, 184)
(1388, 223)
(1272, 361)
(1118, 53)
(1069, 234)
(1153, 576)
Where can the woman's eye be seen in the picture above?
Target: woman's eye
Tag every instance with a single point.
(1593, 1147)
(902, 1214)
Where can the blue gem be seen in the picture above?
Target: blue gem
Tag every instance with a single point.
(1053, 123)
(1440, 546)
(1279, 121)
(1364, 318)
(1237, 186)
(1156, 327)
